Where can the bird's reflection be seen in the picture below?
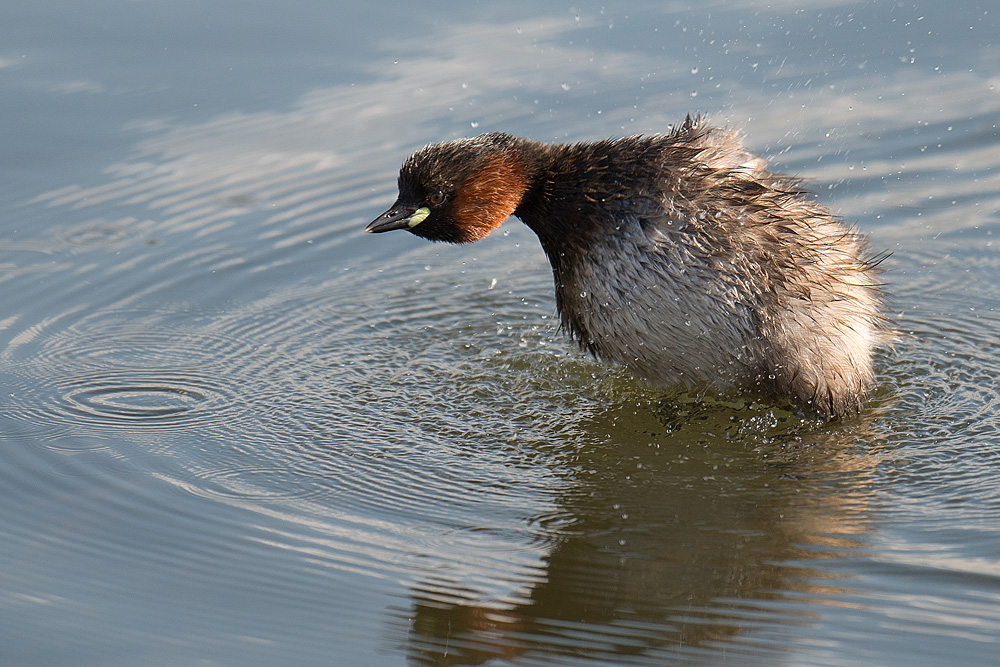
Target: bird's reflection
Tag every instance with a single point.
(684, 532)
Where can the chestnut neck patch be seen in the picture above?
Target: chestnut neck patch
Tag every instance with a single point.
(490, 195)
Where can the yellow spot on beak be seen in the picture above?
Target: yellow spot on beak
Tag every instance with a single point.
(418, 216)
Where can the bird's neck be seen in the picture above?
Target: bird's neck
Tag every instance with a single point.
(554, 204)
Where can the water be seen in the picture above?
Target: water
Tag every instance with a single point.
(235, 430)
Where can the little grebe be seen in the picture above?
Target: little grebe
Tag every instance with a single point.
(680, 256)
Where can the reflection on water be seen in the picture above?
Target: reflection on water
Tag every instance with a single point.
(668, 546)
(234, 429)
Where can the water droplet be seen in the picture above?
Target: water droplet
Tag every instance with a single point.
(564, 86)
(474, 124)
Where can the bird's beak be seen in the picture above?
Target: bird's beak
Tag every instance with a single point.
(399, 216)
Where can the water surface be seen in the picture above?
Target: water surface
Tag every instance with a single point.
(235, 430)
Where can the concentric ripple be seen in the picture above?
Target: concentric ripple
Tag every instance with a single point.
(129, 399)
(145, 400)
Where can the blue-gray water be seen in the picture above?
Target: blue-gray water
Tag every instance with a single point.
(234, 430)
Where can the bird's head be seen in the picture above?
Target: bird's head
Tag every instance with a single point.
(457, 191)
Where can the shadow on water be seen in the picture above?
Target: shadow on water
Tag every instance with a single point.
(683, 528)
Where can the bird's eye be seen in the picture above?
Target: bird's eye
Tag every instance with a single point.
(436, 198)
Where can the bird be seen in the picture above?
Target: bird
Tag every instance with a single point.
(679, 255)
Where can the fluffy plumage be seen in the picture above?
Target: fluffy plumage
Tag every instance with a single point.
(678, 255)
